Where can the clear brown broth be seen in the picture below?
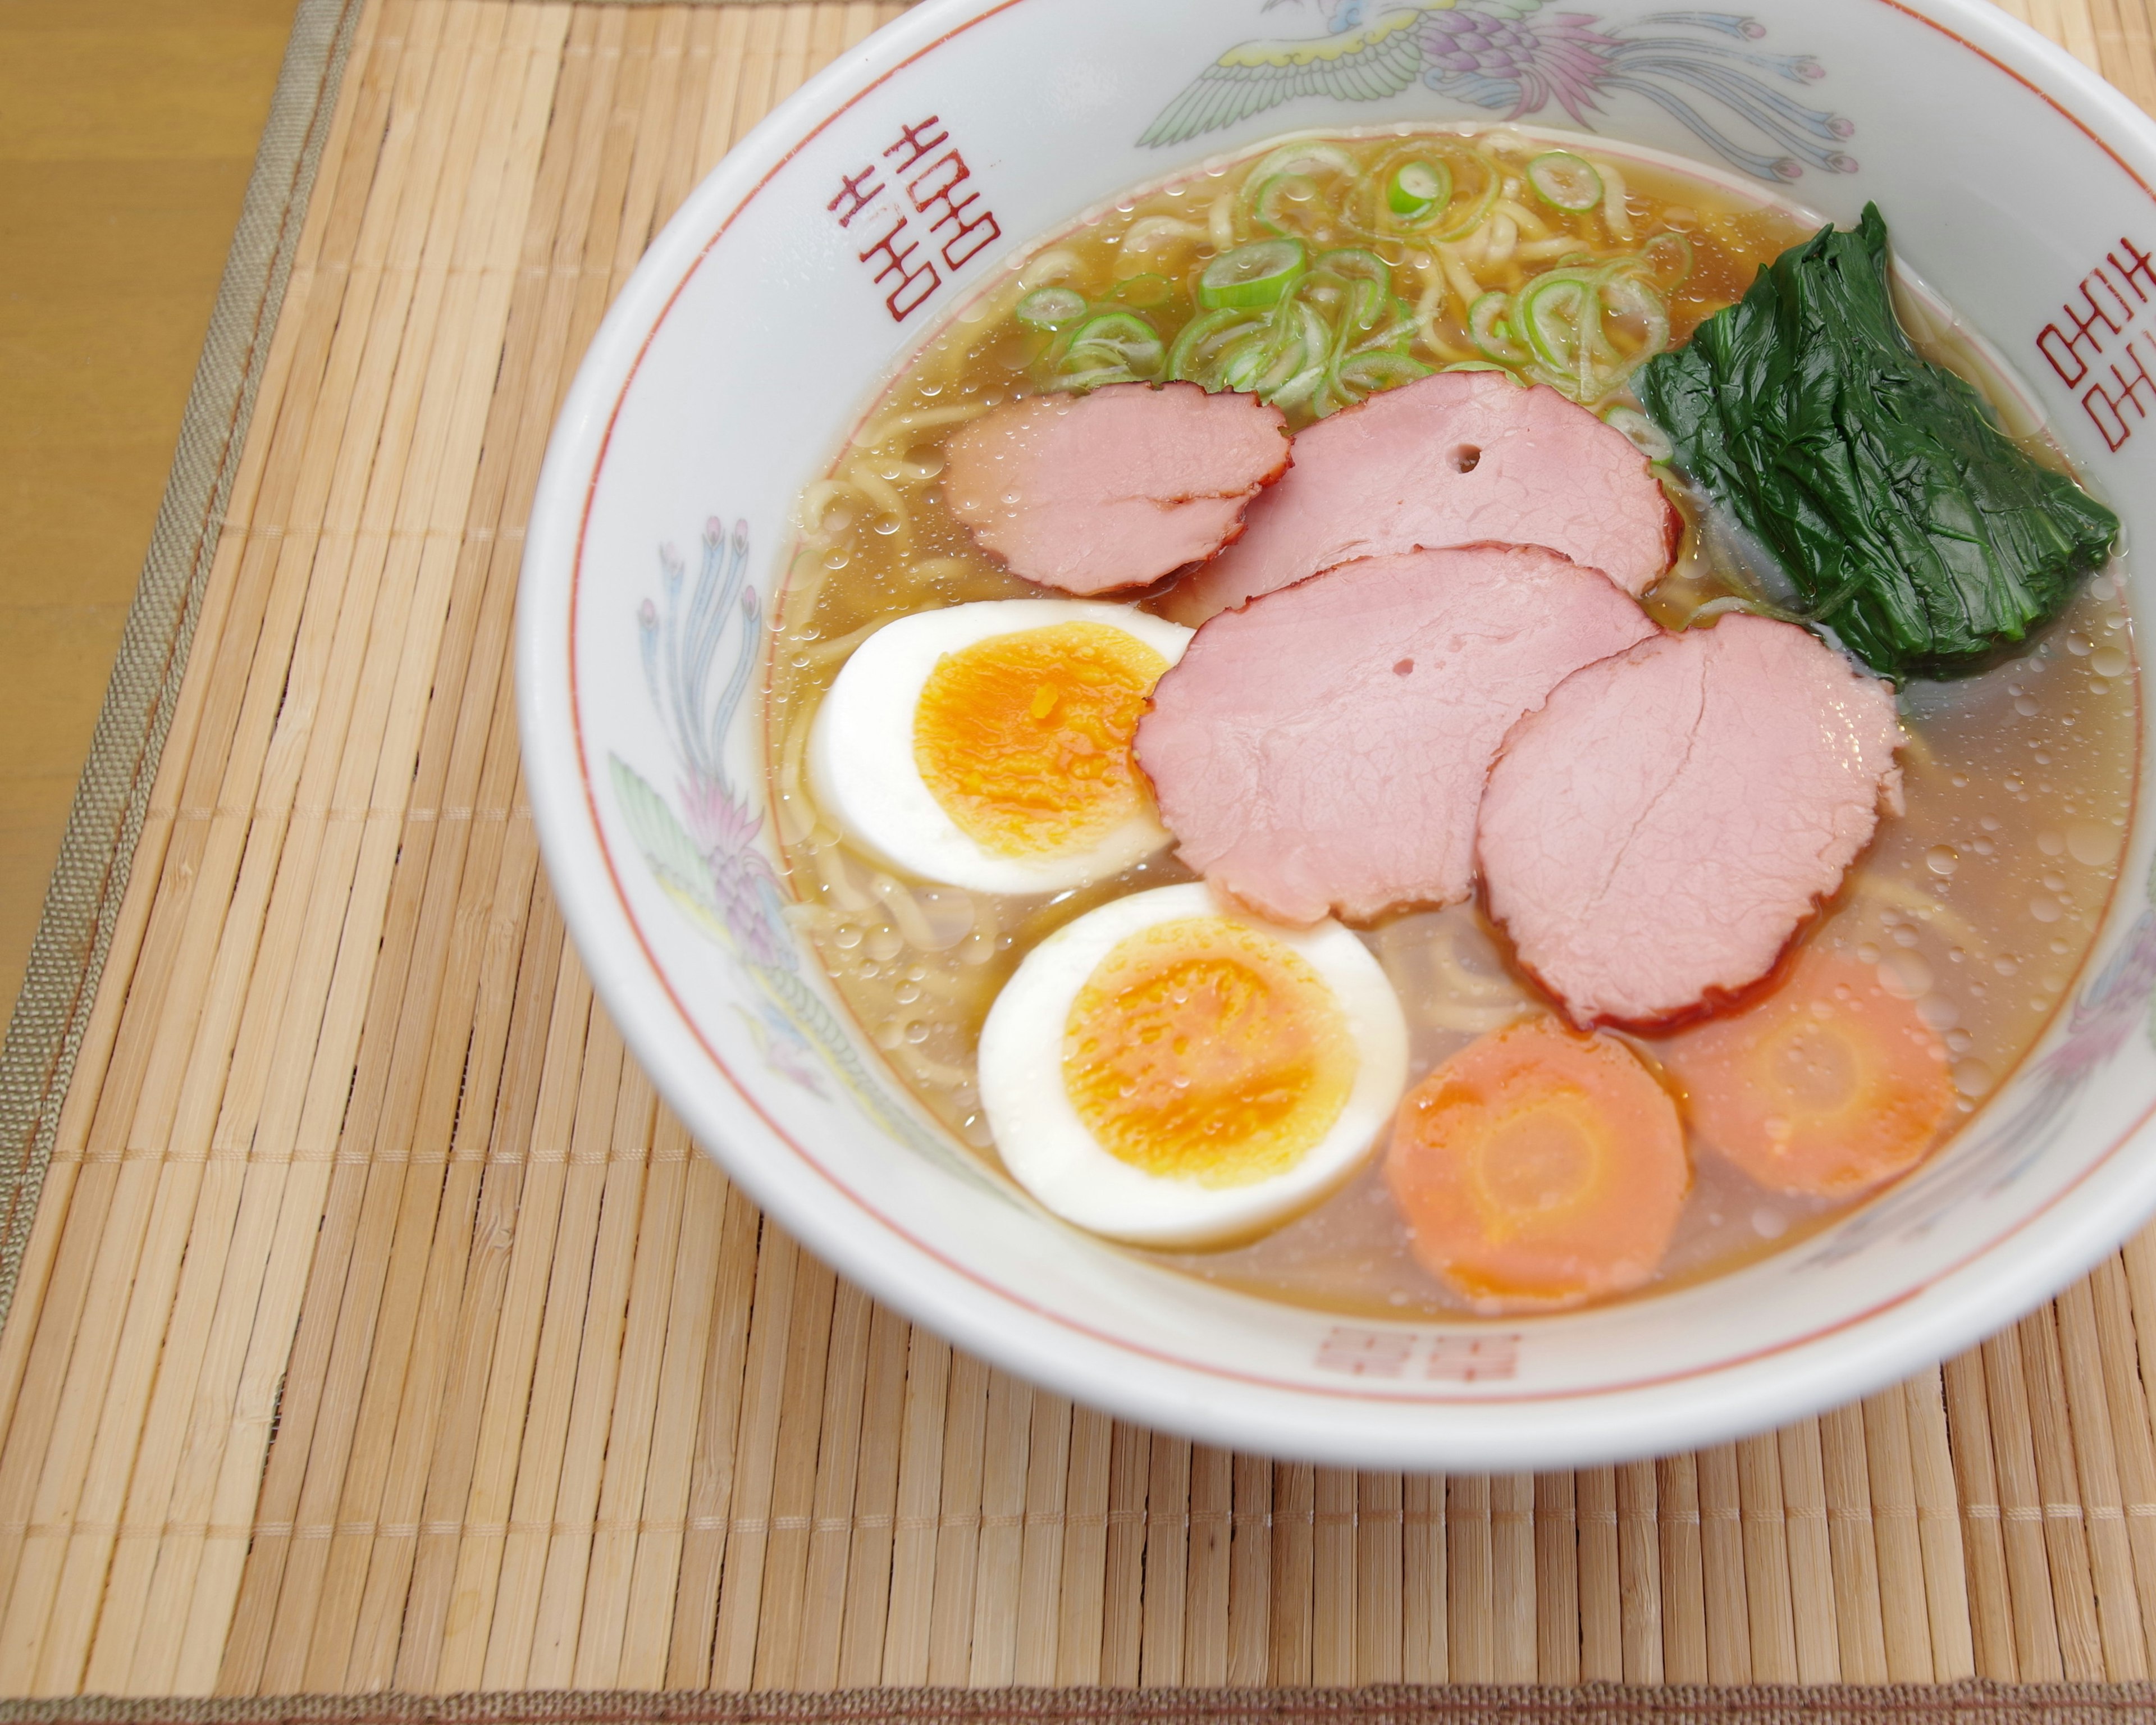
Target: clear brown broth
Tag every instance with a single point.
(1980, 902)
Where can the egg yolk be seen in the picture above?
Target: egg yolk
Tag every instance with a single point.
(1204, 1050)
(1024, 739)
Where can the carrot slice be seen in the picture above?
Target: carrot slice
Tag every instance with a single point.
(1538, 1168)
(1829, 1087)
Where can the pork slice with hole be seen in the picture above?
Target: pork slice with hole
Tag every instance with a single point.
(1325, 747)
(1654, 836)
(1456, 459)
(1113, 490)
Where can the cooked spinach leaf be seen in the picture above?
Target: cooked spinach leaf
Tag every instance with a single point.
(1908, 521)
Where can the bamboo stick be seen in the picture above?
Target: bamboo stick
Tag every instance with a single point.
(1815, 1620)
(1639, 1578)
(1122, 1588)
(1380, 1511)
(754, 1459)
(523, 998)
(793, 1493)
(1904, 1620)
(599, 1204)
(716, 134)
(1207, 1582)
(2126, 51)
(616, 1493)
(1333, 1577)
(1601, 1609)
(1426, 1648)
(1854, 1546)
(1041, 1562)
(958, 1523)
(1250, 1573)
(472, 1586)
(1289, 1597)
(1722, 1567)
(654, 1577)
(1006, 1454)
(1512, 1576)
(2036, 1651)
(2065, 1536)
(1992, 1611)
(2130, 1434)
(920, 1503)
(1557, 1579)
(1938, 1526)
(1471, 1620)
(1162, 1623)
(2103, 1504)
(838, 1468)
(875, 1503)
(727, 1387)
(1772, 1631)
(1082, 1596)
(1684, 1582)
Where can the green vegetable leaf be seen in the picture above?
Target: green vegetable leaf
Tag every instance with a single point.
(1909, 523)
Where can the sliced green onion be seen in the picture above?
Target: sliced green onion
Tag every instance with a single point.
(1554, 317)
(1418, 189)
(1360, 281)
(1564, 316)
(1257, 274)
(1565, 181)
(1302, 159)
(1366, 375)
(1647, 437)
(1272, 208)
(1488, 329)
(1668, 258)
(1145, 292)
(1624, 294)
(1468, 211)
(1050, 308)
(1116, 347)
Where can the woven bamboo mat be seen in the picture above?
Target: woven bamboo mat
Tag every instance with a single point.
(378, 1330)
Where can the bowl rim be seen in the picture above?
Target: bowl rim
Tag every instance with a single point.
(1729, 1397)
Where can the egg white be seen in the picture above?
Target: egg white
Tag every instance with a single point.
(860, 749)
(1046, 1146)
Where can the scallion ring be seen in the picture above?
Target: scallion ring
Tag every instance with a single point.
(1565, 181)
(1418, 190)
(1116, 346)
(1050, 308)
(1491, 333)
(1647, 437)
(1257, 274)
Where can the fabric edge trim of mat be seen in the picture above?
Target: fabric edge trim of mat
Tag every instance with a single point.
(104, 823)
(1835, 1704)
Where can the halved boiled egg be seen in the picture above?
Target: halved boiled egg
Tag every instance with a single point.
(988, 745)
(1172, 1071)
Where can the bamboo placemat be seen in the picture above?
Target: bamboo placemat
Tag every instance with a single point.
(378, 1330)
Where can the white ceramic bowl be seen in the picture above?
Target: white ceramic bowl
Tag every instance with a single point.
(754, 334)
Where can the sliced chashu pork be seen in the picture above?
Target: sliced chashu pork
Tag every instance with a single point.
(1655, 834)
(1113, 490)
(1325, 747)
(1456, 459)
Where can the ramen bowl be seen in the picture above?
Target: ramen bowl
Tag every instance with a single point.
(794, 281)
